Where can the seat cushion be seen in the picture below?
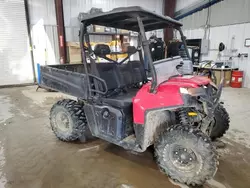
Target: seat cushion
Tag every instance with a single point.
(122, 100)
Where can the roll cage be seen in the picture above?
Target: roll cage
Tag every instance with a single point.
(131, 18)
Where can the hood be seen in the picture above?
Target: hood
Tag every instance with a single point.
(189, 81)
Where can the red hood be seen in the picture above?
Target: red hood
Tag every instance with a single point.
(188, 81)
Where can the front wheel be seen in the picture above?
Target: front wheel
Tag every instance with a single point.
(186, 155)
(221, 124)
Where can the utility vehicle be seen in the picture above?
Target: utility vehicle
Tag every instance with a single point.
(176, 112)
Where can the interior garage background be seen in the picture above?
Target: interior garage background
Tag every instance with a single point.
(43, 24)
(71, 10)
(228, 21)
(19, 17)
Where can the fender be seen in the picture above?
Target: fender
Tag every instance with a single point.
(167, 96)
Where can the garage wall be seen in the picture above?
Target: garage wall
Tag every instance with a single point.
(72, 9)
(229, 22)
(44, 31)
(15, 57)
(233, 36)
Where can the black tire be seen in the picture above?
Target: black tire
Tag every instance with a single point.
(222, 121)
(194, 162)
(68, 121)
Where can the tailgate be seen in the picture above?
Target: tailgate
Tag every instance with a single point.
(68, 82)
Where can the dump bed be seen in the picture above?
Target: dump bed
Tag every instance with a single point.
(68, 79)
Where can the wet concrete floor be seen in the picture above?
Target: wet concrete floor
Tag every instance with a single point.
(32, 157)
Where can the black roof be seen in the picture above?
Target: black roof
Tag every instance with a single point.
(126, 18)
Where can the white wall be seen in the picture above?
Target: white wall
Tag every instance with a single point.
(228, 19)
(225, 34)
(15, 57)
(44, 31)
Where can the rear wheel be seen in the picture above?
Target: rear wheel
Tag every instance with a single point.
(221, 124)
(68, 121)
(186, 155)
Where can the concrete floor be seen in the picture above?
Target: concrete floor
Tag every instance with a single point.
(32, 157)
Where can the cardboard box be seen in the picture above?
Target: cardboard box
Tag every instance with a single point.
(125, 46)
(73, 52)
(124, 31)
(98, 28)
(227, 77)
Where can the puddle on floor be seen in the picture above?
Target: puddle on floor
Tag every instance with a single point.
(5, 108)
(34, 158)
(2, 163)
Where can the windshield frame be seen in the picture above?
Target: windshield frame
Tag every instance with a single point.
(167, 68)
(147, 54)
(143, 42)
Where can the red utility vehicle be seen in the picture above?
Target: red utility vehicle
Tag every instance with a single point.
(175, 111)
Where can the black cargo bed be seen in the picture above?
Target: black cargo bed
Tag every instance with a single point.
(68, 79)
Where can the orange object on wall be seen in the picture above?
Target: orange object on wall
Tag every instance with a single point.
(237, 78)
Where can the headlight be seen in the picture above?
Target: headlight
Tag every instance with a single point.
(193, 91)
(184, 90)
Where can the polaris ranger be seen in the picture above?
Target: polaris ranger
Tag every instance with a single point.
(176, 112)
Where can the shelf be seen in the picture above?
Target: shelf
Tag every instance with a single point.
(108, 33)
(117, 53)
(215, 68)
(111, 33)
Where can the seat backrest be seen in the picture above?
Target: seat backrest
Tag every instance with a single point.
(131, 73)
(109, 73)
(138, 72)
(119, 76)
(125, 71)
(102, 50)
(131, 50)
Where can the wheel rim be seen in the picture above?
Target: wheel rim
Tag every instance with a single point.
(183, 158)
(62, 121)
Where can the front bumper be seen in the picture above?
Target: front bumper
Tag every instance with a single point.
(208, 96)
(205, 100)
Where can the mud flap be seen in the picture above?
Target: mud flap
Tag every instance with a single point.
(156, 122)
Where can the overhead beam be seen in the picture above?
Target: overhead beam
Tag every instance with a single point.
(195, 7)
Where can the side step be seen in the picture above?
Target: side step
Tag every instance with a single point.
(129, 143)
(129, 139)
